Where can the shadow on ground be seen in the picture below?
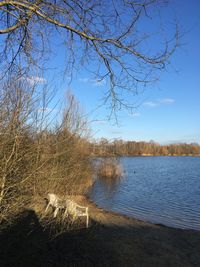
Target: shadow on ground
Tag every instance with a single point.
(26, 243)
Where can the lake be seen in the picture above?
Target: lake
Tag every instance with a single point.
(161, 190)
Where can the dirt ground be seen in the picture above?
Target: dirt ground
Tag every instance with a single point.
(111, 240)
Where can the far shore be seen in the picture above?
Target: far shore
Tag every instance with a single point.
(110, 240)
(146, 155)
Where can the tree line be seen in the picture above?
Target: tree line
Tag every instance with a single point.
(133, 148)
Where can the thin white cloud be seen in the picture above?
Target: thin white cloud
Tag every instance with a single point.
(100, 122)
(135, 114)
(98, 82)
(84, 80)
(167, 101)
(163, 101)
(151, 104)
(33, 80)
(94, 82)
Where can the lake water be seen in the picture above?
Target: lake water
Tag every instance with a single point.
(162, 190)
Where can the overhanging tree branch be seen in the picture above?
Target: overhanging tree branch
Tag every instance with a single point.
(101, 30)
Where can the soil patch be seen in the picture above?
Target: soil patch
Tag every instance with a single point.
(111, 240)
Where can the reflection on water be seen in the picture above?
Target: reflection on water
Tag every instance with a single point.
(162, 190)
(108, 186)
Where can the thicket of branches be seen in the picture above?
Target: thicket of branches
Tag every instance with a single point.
(114, 39)
(34, 158)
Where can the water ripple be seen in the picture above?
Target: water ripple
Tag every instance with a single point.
(163, 190)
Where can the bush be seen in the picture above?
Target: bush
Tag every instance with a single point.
(35, 156)
(109, 168)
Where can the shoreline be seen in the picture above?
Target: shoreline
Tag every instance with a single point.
(111, 216)
(144, 155)
(141, 243)
(112, 239)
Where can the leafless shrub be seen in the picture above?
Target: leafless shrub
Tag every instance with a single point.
(109, 168)
(65, 149)
(34, 158)
(17, 149)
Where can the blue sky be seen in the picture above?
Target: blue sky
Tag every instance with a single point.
(167, 111)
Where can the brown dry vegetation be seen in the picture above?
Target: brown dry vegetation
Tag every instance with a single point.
(35, 158)
(132, 148)
(109, 168)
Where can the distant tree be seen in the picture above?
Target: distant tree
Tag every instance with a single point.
(133, 148)
(107, 34)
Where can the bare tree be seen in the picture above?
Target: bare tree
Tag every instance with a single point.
(17, 150)
(66, 149)
(105, 35)
(36, 157)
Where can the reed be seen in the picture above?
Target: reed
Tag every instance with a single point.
(109, 168)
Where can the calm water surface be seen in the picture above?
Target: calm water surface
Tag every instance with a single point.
(163, 190)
